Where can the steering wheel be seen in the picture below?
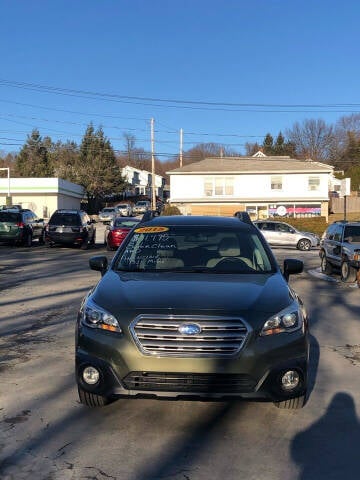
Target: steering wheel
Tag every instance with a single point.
(232, 264)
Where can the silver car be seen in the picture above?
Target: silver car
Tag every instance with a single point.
(107, 214)
(141, 206)
(124, 209)
(283, 234)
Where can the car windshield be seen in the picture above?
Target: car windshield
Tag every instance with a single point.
(120, 222)
(352, 233)
(122, 206)
(140, 204)
(9, 217)
(108, 210)
(194, 249)
(70, 219)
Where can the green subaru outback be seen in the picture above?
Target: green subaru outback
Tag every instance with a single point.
(20, 226)
(193, 307)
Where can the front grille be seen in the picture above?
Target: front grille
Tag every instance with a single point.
(189, 382)
(217, 336)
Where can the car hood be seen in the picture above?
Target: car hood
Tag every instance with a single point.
(197, 293)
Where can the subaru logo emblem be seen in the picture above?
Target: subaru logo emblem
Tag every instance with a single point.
(189, 329)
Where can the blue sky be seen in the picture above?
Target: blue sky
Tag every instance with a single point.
(216, 52)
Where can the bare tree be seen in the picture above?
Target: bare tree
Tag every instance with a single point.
(312, 139)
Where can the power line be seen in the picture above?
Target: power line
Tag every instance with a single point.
(180, 103)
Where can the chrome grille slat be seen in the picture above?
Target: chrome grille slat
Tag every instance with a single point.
(160, 335)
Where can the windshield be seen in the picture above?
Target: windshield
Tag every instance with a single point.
(108, 210)
(120, 222)
(352, 233)
(70, 219)
(194, 249)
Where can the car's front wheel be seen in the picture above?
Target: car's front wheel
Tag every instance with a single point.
(326, 267)
(303, 244)
(292, 403)
(92, 399)
(42, 238)
(348, 273)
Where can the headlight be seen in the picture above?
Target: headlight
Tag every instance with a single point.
(94, 316)
(288, 320)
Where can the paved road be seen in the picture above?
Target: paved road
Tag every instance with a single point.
(46, 434)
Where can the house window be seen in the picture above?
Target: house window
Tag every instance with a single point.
(276, 183)
(218, 186)
(314, 183)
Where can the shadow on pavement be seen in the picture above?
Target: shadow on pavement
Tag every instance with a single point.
(329, 449)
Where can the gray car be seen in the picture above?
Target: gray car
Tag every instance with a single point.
(283, 234)
(124, 209)
(141, 206)
(107, 215)
(340, 248)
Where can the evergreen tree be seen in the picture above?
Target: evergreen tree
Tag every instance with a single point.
(33, 159)
(96, 168)
(268, 145)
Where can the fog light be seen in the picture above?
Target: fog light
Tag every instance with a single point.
(90, 375)
(290, 380)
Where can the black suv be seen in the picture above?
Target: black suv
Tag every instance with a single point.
(20, 226)
(70, 227)
(193, 307)
(340, 249)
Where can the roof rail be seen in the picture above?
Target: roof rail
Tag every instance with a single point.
(244, 217)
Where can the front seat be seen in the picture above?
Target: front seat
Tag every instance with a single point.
(229, 248)
(166, 257)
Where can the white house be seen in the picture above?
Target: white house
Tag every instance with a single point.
(141, 181)
(42, 195)
(263, 186)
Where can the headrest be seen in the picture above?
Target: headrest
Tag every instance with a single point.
(229, 247)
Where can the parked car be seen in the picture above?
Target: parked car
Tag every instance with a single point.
(107, 214)
(20, 226)
(193, 307)
(124, 209)
(340, 249)
(141, 206)
(283, 234)
(116, 232)
(70, 227)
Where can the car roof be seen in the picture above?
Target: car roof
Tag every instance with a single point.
(68, 210)
(197, 220)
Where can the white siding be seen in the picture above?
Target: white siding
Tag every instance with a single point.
(250, 187)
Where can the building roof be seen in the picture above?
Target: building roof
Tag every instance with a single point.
(236, 165)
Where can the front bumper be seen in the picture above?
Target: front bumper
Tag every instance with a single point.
(253, 373)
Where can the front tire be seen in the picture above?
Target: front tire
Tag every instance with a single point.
(42, 239)
(92, 399)
(326, 267)
(348, 273)
(303, 244)
(292, 403)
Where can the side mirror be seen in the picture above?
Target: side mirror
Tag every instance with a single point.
(99, 263)
(291, 267)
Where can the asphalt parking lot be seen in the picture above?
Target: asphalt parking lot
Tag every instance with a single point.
(46, 434)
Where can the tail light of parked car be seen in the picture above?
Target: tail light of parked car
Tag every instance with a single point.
(20, 224)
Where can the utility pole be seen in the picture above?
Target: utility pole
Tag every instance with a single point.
(181, 147)
(153, 191)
